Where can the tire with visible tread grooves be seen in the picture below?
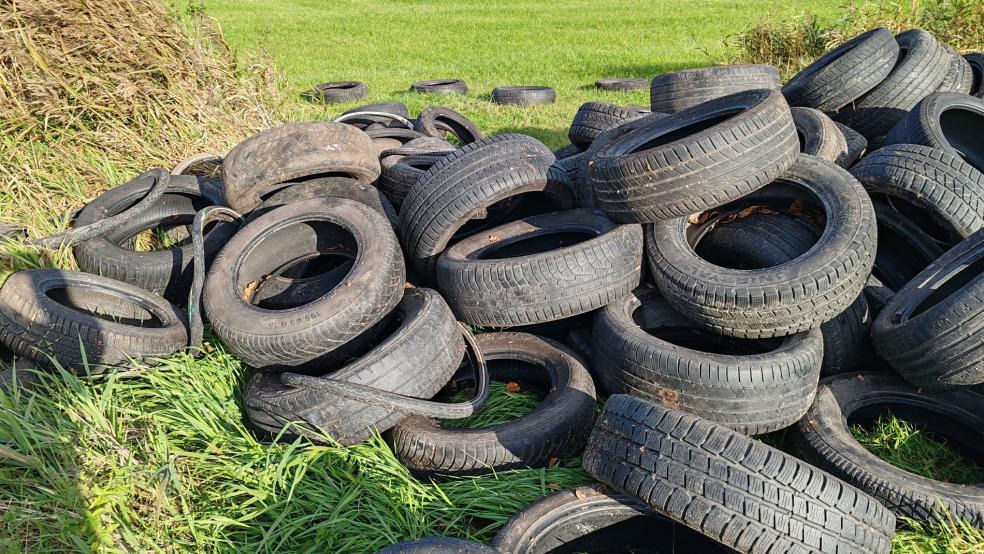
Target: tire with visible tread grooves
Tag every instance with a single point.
(976, 61)
(594, 118)
(167, 272)
(328, 187)
(925, 125)
(819, 136)
(932, 331)
(959, 76)
(465, 183)
(567, 151)
(845, 73)
(556, 428)
(918, 72)
(857, 145)
(904, 249)
(338, 92)
(942, 185)
(956, 415)
(365, 121)
(440, 86)
(264, 162)
(417, 359)
(540, 285)
(50, 312)
(438, 121)
(737, 144)
(437, 545)
(734, 489)
(397, 179)
(679, 90)
(299, 336)
(623, 84)
(524, 95)
(391, 137)
(751, 393)
(781, 300)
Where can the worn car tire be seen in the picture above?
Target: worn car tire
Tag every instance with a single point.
(976, 61)
(948, 121)
(819, 136)
(398, 178)
(679, 90)
(438, 121)
(328, 187)
(735, 489)
(365, 121)
(904, 249)
(959, 75)
(440, 86)
(523, 95)
(857, 145)
(594, 118)
(624, 84)
(338, 92)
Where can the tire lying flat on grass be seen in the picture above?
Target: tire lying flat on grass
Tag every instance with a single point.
(440, 86)
(541, 268)
(679, 90)
(733, 489)
(524, 96)
(932, 332)
(736, 143)
(640, 346)
(299, 335)
(624, 84)
(557, 428)
(338, 92)
(438, 121)
(957, 415)
(51, 312)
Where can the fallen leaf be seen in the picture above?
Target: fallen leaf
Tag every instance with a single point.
(249, 290)
(552, 462)
(512, 387)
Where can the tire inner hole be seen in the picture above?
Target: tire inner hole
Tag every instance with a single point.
(920, 217)
(516, 388)
(700, 340)
(534, 243)
(508, 209)
(104, 306)
(962, 129)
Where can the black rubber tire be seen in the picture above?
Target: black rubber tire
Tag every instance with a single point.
(844, 74)
(918, 72)
(768, 239)
(583, 519)
(932, 331)
(948, 121)
(416, 359)
(735, 489)
(857, 145)
(877, 295)
(524, 95)
(556, 428)
(957, 416)
(328, 187)
(944, 187)
(622, 84)
(904, 249)
(51, 312)
(976, 61)
(437, 545)
(365, 121)
(398, 178)
(594, 118)
(959, 75)
(737, 144)
(790, 298)
(440, 86)
(679, 90)
(438, 121)
(465, 183)
(555, 278)
(298, 337)
(752, 388)
(338, 92)
(567, 151)
(391, 137)
(165, 272)
(819, 136)
(269, 159)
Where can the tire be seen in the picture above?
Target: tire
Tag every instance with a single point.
(573, 167)
(440, 86)
(169, 271)
(918, 72)
(877, 295)
(857, 145)
(904, 249)
(959, 75)
(734, 489)
(942, 186)
(819, 136)
(737, 144)
(541, 268)
(391, 137)
(567, 151)
(625, 84)
(397, 179)
(338, 92)
(679, 90)
(583, 519)
(594, 118)
(948, 121)
(51, 312)
(790, 298)
(524, 96)
(844, 74)
(416, 359)
(976, 61)
(266, 161)
(438, 122)
(557, 428)
(437, 545)
(640, 346)
(466, 183)
(299, 336)
(762, 240)
(395, 108)
(328, 187)
(933, 329)
(955, 415)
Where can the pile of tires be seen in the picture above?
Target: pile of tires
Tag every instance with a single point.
(703, 263)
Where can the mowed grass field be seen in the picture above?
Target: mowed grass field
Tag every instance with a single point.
(160, 459)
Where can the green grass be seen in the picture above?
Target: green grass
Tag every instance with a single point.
(502, 406)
